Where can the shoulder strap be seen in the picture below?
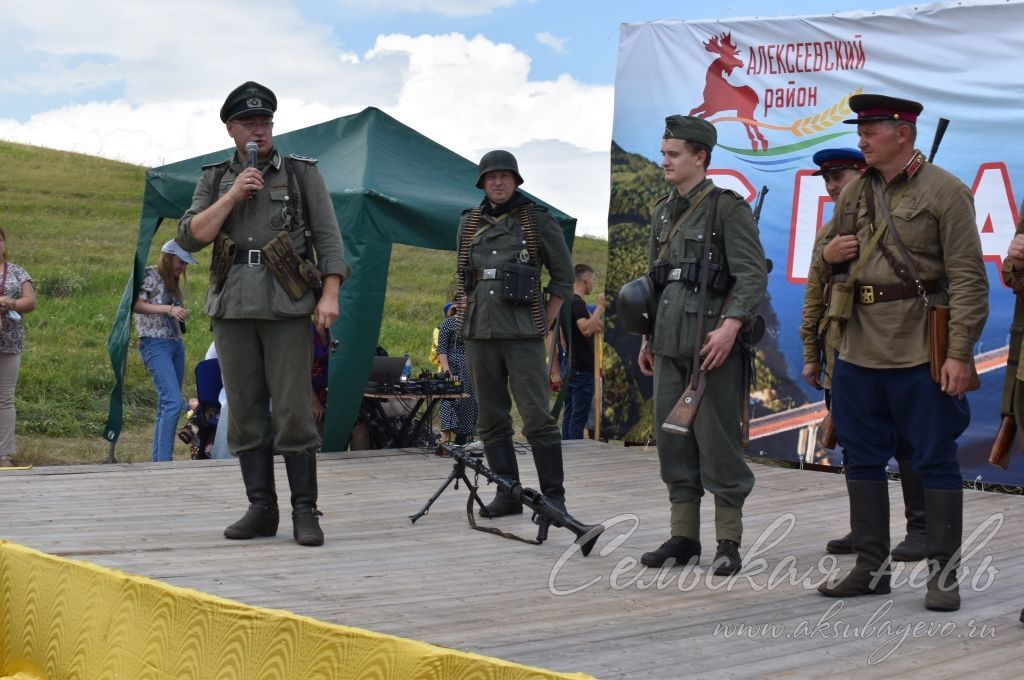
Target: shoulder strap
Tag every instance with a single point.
(880, 196)
(697, 200)
(702, 285)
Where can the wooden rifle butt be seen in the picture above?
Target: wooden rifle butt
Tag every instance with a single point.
(1002, 447)
(680, 419)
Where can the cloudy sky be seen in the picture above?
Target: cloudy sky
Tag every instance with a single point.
(142, 81)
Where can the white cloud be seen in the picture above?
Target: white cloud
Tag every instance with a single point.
(449, 8)
(555, 43)
(469, 94)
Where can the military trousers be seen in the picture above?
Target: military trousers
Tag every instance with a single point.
(266, 361)
(709, 457)
(873, 408)
(507, 369)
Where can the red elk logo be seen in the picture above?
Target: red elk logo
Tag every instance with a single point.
(721, 95)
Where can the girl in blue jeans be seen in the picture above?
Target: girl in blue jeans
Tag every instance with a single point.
(160, 321)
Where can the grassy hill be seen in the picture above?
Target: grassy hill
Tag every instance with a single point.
(72, 222)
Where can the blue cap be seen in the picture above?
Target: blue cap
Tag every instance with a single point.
(448, 307)
(838, 159)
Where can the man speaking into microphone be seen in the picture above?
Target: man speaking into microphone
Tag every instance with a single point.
(277, 258)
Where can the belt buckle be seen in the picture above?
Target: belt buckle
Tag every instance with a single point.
(255, 258)
(867, 295)
(490, 274)
(675, 274)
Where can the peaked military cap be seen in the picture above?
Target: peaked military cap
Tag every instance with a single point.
(248, 99)
(872, 107)
(838, 159)
(691, 128)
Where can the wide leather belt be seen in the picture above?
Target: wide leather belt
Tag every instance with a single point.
(869, 294)
(485, 274)
(253, 258)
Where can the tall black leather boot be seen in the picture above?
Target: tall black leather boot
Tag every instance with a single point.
(945, 521)
(501, 458)
(301, 469)
(913, 547)
(869, 520)
(262, 517)
(548, 459)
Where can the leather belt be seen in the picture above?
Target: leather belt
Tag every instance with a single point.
(675, 274)
(253, 258)
(869, 294)
(485, 274)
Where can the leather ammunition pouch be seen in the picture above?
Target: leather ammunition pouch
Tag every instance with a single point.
(224, 250)
(520, 283)
(687, 272)
(840, 299)
(295, 274)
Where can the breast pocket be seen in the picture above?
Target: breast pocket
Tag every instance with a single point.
(280, 210)
(917, 229)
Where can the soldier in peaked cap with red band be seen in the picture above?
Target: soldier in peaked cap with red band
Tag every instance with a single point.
(710, 457)
(905, 237)
(261, 322)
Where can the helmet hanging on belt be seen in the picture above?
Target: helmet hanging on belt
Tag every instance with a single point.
(636, 305)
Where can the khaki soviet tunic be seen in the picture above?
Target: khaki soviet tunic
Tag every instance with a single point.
(487, 317)
(1014, 279)
(933, 212)
(253, 292)
(734, 240)
(814, 304)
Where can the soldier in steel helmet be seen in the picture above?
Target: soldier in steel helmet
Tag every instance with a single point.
(260, 313)
(710, 456)
(503, 245)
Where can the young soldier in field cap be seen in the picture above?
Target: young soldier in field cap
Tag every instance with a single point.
(709, 457)
(503, 244)
(258, 216)
(839, 167)
(927, 254)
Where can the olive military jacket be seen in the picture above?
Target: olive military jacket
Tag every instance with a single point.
(252, 292)
(735, 242)
(933, 212)
(815, 302)
(486, 316)
(1014, 279)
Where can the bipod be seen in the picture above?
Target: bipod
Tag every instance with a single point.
(457, 474)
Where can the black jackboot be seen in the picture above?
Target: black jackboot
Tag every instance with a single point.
(840, 546)
(262, 516)
(501, 458)
(548, 459)
(945, 520)
(913, 547)
(301, 469)
(869, 519)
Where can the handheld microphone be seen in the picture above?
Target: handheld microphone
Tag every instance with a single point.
(252, 150)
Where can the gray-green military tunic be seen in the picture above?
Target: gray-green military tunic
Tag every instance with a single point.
(503, 347)
(263, 337)
(710, 457)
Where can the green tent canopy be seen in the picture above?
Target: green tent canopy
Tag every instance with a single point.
(389, 184)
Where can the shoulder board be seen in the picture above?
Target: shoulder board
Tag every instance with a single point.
(226, 161)
(304, 159)
(730, 192)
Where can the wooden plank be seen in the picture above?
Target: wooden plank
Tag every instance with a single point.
(441, 582)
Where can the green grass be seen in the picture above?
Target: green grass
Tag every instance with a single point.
(72, 222)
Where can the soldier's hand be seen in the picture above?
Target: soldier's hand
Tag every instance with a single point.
(810, 374)
(326, 312)
(1016, 251)
(955, 376)
(645, 361)
(719, 344)
(248, 183)
(841, 249)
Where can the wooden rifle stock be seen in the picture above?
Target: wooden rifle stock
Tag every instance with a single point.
(1002, 447)
(680, 420)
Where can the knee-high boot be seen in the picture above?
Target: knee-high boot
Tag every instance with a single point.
(548, 459)
(301, 469)
(869, 520)
(913, 547)
(501, 458)
(945, 519)
(262, 516)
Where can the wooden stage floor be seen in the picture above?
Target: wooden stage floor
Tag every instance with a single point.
(441, 582)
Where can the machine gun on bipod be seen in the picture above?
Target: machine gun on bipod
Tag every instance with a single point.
(545, 511)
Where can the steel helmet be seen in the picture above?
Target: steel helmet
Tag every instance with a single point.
(635, 306)
(498, 160)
